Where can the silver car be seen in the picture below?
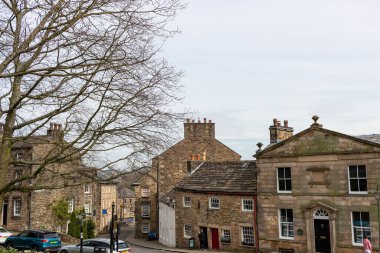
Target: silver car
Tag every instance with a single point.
(96, 245)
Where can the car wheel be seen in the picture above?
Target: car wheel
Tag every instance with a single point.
(63, 251)
(34, 248)
(8, 245)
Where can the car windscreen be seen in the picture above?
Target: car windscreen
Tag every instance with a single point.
(51, 235)
(2, 230)
(122, 245)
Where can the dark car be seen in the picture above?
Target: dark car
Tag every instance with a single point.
(35, 240)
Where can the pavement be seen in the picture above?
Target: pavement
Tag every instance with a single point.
(128, 234)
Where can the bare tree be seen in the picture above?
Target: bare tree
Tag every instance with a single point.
(95, 67)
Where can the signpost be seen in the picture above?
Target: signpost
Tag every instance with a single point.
(80, 217)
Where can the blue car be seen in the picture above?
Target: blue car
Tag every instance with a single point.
(35, 240)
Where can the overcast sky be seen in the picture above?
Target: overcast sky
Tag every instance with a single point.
(249, 61)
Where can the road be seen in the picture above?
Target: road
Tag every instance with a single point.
(136, 249)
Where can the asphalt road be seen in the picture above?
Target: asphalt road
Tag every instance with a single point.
(136, 249)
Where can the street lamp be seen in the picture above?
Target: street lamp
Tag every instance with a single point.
(377, 197)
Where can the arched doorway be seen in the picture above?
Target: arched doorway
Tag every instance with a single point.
(322, 231)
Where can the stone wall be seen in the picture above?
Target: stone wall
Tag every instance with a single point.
(230, 217)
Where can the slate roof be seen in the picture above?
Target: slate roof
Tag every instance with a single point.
(228, 177)
(126, 193)
(371, 137)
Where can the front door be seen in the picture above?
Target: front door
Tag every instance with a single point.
(322, 236)
(214, 238)
(5, 212)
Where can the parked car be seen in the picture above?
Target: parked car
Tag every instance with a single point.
(35, 240)
(4, 234)
(96, 244)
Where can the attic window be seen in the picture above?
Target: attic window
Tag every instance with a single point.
(19, 156)
(244, 166)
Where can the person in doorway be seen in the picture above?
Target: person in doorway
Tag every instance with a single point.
(201, 237)
(367, 246)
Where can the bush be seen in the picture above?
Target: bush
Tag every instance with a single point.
(74, 227)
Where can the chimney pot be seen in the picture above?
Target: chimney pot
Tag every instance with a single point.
(187, 120)
(198, 157)
(286, 123)
(51, 126)
(209, 121)
(278, 123)
(55, 126)
(275, 122)
(193, 121)
(59, 127)
(199, 121)
(204, 120)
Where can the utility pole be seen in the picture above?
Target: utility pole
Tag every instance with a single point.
(111, 228)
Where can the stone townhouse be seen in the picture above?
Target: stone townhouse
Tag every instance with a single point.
(98, 198)
(218, 198)
(33, 208)
(316, 191)
(126, 205)
(170, 167)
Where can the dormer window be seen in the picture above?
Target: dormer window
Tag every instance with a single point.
(19, 156)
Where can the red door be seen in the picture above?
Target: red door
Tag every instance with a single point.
(214, 238)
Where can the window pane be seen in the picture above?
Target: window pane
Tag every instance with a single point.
(288, 185)
(354, 185)
(362, 171)
(363, 184)
(353, 171)
(281, 173)
(287, 173)
(281, 185)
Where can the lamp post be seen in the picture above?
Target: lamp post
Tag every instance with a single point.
(377, 197)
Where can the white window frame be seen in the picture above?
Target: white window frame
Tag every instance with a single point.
(186, 201)
(213, 201)
(17, 176)
(357, 178)
(87, 188)
(360, 227)
(70, 205)
(244, 204)
(288, 223)
(145, 210)
(145, 227)
(249, 229)
(285, 178)
(87, 206)
(187, 231)
(145, 192)
(19, 155)
(226, 235)
(17, 207)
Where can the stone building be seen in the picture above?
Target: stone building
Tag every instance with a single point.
(316, 191)
(170, 167)
(31, 207)
(126, 205)
(219, 199)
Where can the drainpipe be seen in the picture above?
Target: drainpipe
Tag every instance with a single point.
(158, 197)
(29, 210)
(255, 224)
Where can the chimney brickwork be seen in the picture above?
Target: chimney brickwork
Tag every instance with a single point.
(279, 133)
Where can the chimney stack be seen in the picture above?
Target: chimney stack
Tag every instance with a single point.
(200, 130)
(279, 133)
(55, 131)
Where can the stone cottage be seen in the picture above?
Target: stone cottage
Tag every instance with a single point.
(170, 167)
(219, 199)
(316, 191)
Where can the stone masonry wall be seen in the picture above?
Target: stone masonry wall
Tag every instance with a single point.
(229, 217)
